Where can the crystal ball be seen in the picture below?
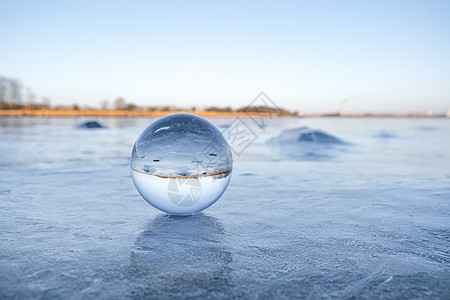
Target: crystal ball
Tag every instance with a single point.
(181, 164)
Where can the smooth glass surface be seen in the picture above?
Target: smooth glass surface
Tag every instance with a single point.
(181, 164)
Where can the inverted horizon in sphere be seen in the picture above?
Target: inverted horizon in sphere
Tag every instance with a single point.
(181, 164)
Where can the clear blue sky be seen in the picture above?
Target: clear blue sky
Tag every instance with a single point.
(381, 56)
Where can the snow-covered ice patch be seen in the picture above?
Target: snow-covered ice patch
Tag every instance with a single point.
(305, 135)
(306, 144)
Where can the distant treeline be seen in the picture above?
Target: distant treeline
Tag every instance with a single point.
(133, 107)
(121, 105)
(10, 93)
(13, 95)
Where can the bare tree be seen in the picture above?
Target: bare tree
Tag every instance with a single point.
(131, 107)
(104, 104)
(119, 103)
(16, 92)
(3, 89)
(46, 101)
(30, 96)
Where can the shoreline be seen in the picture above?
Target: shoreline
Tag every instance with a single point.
(124, 113)
(109, 113)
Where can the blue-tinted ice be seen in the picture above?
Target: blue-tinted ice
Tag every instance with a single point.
(370, 223)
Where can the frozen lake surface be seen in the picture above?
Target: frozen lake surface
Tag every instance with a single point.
(365, 218)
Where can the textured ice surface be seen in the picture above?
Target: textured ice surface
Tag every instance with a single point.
(372, 222)
(181, 164)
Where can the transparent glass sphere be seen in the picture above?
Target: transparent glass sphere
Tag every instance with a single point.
(181, 164)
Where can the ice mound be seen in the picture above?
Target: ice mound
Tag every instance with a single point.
(385, 134)
(427, 128)
(90, 125)
(306, 144)
(305, 135)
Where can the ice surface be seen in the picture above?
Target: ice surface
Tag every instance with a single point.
(181, 164)
(370, 222)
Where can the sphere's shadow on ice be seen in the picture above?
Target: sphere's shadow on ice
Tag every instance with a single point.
(306, 144)
(181, 256)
